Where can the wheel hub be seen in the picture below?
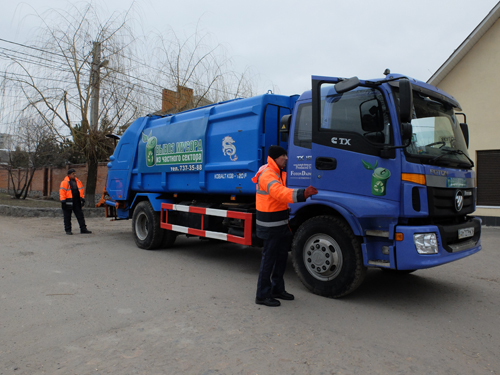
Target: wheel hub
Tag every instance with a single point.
(322, 257)
(142, 226)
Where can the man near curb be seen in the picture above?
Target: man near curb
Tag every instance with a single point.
(272, 199)
(72, 198)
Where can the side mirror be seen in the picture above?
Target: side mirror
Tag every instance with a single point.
(405, 100)
(347, 85)
(465, 132)
(285, 122)
(406, 131)
(465, 128)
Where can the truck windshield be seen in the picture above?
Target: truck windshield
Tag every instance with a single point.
(437, 137)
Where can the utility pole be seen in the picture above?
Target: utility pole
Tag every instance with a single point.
(95, 84)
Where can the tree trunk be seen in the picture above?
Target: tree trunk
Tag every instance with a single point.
(91, 183)
(29, 182)
(16, 194)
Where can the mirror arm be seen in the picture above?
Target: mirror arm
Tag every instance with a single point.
(394, 147)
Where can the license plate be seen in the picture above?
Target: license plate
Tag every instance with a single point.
(465, 232)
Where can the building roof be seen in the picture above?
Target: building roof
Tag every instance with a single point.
(466, 46)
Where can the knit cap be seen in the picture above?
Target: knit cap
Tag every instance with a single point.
(275, 152)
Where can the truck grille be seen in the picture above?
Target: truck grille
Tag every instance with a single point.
(442, 202)
(449, 235)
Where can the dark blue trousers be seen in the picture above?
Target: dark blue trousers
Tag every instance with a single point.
(79, 216)
(273, 265)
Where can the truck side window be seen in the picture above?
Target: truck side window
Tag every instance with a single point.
(303, 127)
(361, 114)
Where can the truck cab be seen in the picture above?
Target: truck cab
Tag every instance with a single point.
(389, 159)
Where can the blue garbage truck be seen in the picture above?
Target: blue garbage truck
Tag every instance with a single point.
(396, 186)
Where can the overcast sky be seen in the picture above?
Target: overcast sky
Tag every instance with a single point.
(285, 42)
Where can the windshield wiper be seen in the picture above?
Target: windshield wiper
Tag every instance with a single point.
(455, 152)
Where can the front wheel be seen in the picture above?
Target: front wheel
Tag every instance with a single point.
(327, 257)
(146, 227)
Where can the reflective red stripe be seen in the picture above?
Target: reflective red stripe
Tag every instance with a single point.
(246, 217)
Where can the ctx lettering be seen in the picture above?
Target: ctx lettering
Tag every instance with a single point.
(341, 141)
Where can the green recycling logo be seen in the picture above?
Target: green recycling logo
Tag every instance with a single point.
(150, 148)
(379, 178)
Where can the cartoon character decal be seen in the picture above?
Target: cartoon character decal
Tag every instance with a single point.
(379, 178)
(228, 149)
(150, 148)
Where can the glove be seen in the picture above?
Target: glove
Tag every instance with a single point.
(83, 202)
(311, 190)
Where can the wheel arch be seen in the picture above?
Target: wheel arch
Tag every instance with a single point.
(151, 197)
(317, 209)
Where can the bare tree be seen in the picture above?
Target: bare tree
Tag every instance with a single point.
(32, 148)
(79, 57)
(196, 63)
(59, 80)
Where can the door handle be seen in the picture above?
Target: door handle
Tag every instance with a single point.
(326, 164)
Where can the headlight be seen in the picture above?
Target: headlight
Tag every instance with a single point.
(426, 243)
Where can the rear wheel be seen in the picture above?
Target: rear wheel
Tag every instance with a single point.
(169, 238)
(146, 227)
(327, 257)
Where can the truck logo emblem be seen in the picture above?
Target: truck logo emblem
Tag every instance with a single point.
(438, 172)
(459, 200)
(379, 178)
(228, 149)
(341, 141)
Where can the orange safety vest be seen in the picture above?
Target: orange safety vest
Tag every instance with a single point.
(272, 199)
(65, 189)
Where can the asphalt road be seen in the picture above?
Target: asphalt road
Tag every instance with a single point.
(96, 304)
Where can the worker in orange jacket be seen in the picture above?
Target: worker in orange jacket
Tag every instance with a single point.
(72, 198)
(272, 199)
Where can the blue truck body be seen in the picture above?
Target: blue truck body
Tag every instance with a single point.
(390, 205)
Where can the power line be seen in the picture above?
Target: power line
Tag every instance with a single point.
(70, 72)
(116, 71)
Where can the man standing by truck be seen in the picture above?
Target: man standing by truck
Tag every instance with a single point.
(272, 199)
(72, 198)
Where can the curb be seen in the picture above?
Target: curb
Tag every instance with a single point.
(45, 212)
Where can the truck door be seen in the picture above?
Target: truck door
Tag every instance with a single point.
(349, 132)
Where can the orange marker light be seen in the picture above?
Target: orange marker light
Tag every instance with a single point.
(413, 177)
(399, 236)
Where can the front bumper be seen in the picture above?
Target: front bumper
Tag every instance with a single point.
(450, 247)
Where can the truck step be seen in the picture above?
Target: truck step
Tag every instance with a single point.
(380, 263)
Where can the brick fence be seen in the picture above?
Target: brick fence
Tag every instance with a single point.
(46, 181)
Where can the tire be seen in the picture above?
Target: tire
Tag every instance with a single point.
(327, 257)
(169, 238)
(146, 227)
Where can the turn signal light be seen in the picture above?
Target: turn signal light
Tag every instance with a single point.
(399, 237)
(413, 177)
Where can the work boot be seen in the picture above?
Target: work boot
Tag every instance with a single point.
(69, 232)
(85, 231)
(271, 302)
(283, 295)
